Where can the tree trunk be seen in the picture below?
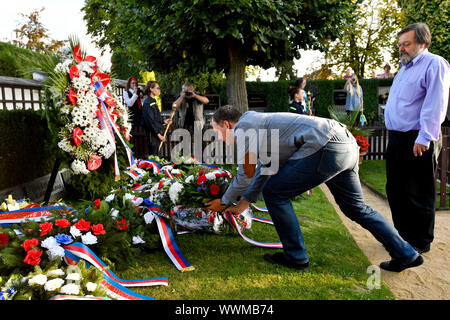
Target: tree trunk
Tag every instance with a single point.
(236, 87)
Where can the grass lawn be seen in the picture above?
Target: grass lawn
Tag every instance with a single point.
(373, 173)
(228, 268)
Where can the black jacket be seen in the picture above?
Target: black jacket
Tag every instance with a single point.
(153, 122)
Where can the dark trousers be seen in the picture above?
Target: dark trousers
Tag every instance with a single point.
(411, 187)
(152, 143)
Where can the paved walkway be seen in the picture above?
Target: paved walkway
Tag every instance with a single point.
(430, 281)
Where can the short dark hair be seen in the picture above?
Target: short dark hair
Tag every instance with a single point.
(150, 85)
(421, 33)
(226, 112)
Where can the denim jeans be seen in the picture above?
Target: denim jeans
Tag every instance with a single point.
(336, 164)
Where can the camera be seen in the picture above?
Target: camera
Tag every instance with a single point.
(188, 94)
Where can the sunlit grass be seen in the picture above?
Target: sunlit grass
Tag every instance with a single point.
(228, 268)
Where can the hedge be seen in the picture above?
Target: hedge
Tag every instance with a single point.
(24, 135)
(9, 63)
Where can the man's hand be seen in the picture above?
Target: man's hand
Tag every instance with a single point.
(215, 205)
(418, 149)
(240, 207)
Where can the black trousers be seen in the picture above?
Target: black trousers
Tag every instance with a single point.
(153, 143)
(411, 187)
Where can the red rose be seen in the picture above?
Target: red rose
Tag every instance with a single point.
(202, 172)
(63, 223)
(214, 189)
(29, 244)
(33, 257)
(83, 225)
(97, 203)
(98, 229)
(201, 179)
(45, 228)
(4, 239)
(122, 224)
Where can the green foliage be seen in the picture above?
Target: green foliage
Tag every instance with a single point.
(436, 15)
(369, 34)
(121, 68)
(24, 152)
(276, 94)
(10, 64)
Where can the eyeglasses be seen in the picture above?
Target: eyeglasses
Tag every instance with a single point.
(157, 88)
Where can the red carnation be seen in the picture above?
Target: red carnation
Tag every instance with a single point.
(29, 244)
(83, 225)
(33, 257)
(201, 179)
(63, 223)
(97, 203)
(214, 189)
(45, 228)
(4, 239)
(122, 224)
(202, 172)
(98, 229)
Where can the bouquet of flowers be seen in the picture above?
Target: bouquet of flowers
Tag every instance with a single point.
(363, 143)
(90, 112)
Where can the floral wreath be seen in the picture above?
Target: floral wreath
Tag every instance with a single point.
(91, 117)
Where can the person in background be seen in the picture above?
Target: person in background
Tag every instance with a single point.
(153, 122)
(298, 101)
(387, 72)
(374, 75)
(415, 109)
(190, 108)
(133, 96)
(348, 73)
(354, 100)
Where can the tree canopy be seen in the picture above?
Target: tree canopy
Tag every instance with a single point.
(205, 35)
(436, 14)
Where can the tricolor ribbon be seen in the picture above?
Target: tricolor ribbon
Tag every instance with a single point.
(32, 214)
(232, 220)
(78, 250)
(170, 246)
(263, 220)
(149, 163)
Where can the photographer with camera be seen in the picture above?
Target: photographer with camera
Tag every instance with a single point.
(354, 100)
(133, 96)
(190, 108)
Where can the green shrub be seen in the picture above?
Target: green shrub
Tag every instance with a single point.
(24, 136)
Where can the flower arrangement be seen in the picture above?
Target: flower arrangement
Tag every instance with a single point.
(363, 143)
(91, 116)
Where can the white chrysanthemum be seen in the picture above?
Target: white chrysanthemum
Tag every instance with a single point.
(89, 238)
(137, 240)
(79, 167)
(63, 66)
(114, 213)
(210, 176)
(91, 286)
(39, 279)
(174, 191)
(65, 145)
(70, 288)
(189, 179)
(81, 83)
(55, 253)
(49, 243)
(107, 151)
(86, 66)
(57, 272)
(75, 276)
(54, 284)
(75, 232)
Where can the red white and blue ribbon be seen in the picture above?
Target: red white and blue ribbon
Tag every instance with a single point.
(259, 208)
(80, 251)
(32, 214)
(170, 246)
(149, 163)
(232, 220)
(263, 220)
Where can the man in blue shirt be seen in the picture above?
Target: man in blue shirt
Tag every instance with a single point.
(283, 155)
(415, 110)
